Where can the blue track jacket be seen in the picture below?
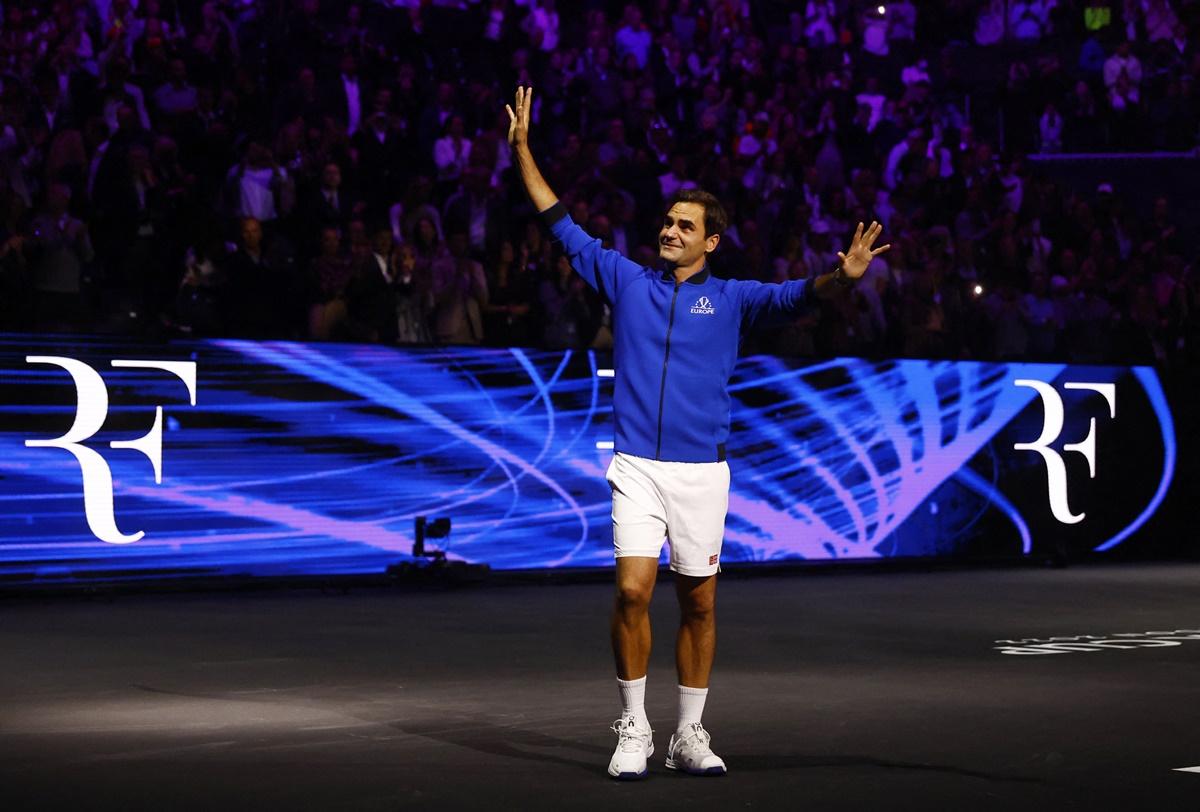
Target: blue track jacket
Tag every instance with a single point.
(674, 345)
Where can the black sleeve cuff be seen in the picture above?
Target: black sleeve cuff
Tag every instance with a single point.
(810, 292)
(553, 214)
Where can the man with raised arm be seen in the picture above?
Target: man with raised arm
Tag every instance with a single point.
(676, 334)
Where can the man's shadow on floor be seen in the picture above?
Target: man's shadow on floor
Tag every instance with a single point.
(480, 734)
(776, 761)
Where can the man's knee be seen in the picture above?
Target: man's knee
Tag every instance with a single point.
(633, 596)
(697, 602)
(698, 611)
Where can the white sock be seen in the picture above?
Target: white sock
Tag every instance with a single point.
(691, 705)
(633, 700)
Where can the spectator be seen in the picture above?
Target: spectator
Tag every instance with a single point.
(541, 24)
(414, 297)
(452, 152)
(329, 205)
(328, 275)
(990, 23)
(345, 96)
(820, 17)
(512, 292)
(250, 276)
(476, 210)
(875, 35)
(177, 96)
(684, 25)
(460, 293)
(371, 300)
(1158, 19)
(566, 307)
(1042, 318)
(676, 178)
(258, 187)
(198, 307)
(1082, 125)
(1124, 101)
(117, 90)
(1123, 62)
(615, 150)
(61, 251)
(1028, 20)
(383, 148)
(1050, 130)
(633, 39)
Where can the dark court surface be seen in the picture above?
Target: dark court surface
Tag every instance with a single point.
(832, 691)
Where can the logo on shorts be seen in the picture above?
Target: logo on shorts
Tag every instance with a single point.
(705, 308)
(712, 559)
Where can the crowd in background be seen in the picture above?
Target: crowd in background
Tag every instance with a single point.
(340, 171)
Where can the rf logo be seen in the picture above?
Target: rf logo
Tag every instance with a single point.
(90, 410)
(1052, 425)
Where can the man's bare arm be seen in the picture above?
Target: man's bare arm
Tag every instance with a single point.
(518, 138)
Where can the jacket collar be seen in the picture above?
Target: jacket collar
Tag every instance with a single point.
(698, 278)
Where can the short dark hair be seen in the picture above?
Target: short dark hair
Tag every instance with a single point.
(715, 219)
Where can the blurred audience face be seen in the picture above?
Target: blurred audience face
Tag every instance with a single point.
(331, 176)
(178, 72)
(426, 233)
(331, 241)
(381, 241)
(251, 234)
(406, 259)
(58, 199)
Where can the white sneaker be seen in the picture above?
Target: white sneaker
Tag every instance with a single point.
(689, 751)
(634, 745)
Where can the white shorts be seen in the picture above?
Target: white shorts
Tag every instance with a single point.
(685, 501)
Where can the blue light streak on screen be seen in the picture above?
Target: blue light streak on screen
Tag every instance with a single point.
(315, 459)
(1158, 399)
(850, 449)
(994, 497)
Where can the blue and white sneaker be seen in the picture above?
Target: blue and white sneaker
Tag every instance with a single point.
(689, 751)
(634, 745)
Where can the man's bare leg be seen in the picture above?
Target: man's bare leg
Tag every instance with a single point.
(689, 749)
(697, 641)
(631, 615)
(631, 650)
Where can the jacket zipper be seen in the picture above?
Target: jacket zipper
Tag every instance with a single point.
(662, 390)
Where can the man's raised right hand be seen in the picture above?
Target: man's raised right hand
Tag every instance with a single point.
(518, 121)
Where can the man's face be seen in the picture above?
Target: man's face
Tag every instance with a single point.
(681, 240)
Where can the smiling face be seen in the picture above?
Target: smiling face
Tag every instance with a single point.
(681, 240)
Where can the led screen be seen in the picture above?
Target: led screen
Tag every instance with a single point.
(307, 459)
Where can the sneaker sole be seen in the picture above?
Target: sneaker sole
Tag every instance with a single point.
(671, 765)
